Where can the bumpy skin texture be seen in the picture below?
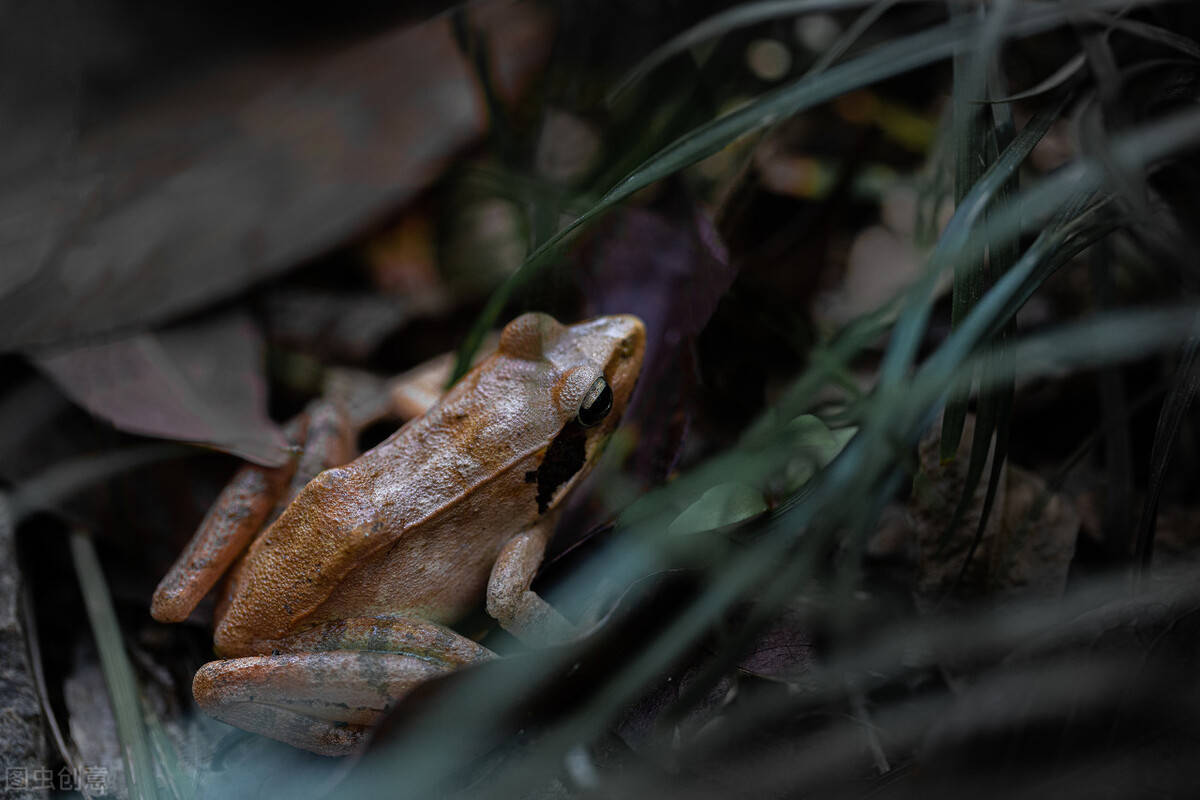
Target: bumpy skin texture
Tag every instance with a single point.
(407, 536)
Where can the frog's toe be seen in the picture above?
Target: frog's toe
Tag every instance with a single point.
(322, 702)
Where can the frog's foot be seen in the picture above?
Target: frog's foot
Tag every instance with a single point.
(327, 697)
(518, 609)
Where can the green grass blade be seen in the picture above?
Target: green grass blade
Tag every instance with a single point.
(969, 134)
(998, 410)
(454, 725)
(995, 404)
(1144, 30)
(1139, 146)
(851, 35)
(438, 749)
(1059, 77)
(1170, 420)
(179, 782)
(1117, 523)
(894, 58)
(955, 241)
(118, 672)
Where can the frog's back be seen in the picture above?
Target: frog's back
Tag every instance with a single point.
(411, 525)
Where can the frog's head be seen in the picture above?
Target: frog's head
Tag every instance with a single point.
(593, 367)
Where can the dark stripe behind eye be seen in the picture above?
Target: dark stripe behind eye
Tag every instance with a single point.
(564, 457)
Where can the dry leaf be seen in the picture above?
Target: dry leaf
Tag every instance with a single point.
(1027, 545)
(200, 383)
(243, 169)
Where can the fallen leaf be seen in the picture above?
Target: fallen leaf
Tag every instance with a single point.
(1027, 544)
(671, 271)
(91, 723)
(816, 445)
(233, 171)
(784, 651)
(722, 505)
(198, 383)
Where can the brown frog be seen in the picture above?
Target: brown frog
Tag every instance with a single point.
(338, 607)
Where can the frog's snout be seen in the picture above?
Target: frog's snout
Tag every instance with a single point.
(625, 364)
(632, 341)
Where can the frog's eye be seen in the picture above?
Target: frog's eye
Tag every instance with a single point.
(596, 403)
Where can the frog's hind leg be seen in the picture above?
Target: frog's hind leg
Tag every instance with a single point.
(322, 702)
(336, 681)
(244, 508)
(237, 515)
(328, 443)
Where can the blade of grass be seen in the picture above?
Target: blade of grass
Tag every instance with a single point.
(1142, 145)
(118, 672)
(969, 134)
(1170, 419)
(891, 59)
(1044, 250)
(995, 405)
(774, 593)
(1144, 30)
(1117, 529)
(1133, 335)
(851, 35)
(29, 624)
(16, 608)
(1129, 335)
(999, 371)
(1059, 77)
(889, 654)
(1075, 64)
(447, 735)
(1159, 233)
(181, 784)
(955, 240)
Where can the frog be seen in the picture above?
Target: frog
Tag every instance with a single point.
(344, 576)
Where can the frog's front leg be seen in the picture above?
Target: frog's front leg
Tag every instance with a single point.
(324, 689)
(518, 609)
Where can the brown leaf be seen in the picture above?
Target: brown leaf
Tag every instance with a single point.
(1027, 545)
(242, 169)
(200, 383)
(671, 269)
(785, 650)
